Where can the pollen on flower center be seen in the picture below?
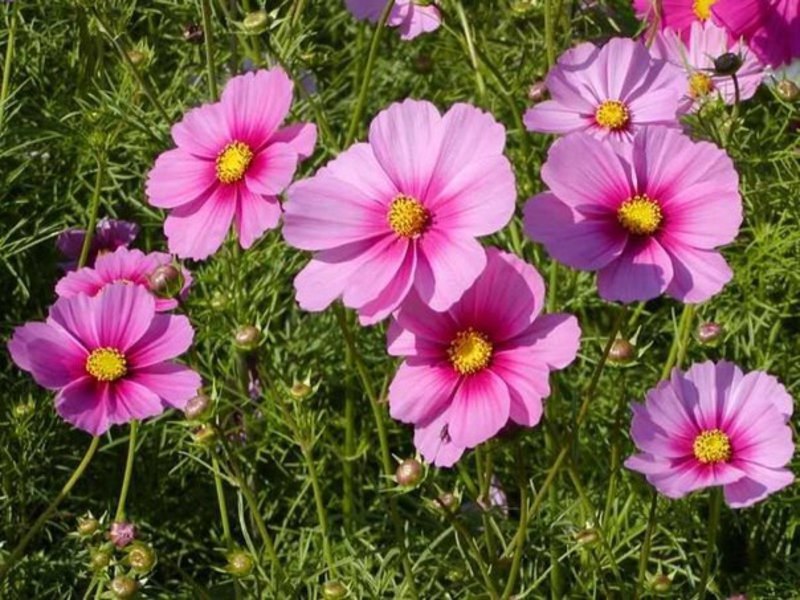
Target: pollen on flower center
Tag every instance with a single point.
(640, 215)
(106, 364)
(470, 351)
(712, 446)
(233, 161)
(612, 114)
(702, 9)
(408, 217)
(700, 85)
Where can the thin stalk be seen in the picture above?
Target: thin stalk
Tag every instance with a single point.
(211, 69)
(16, 554)
(94, 207)
(365, 80)
(522, 529)
(126, 480)
(714, 507)
(9, 59)
(549, 34)
(223, 515)
(647, 543)
(462, 531)
(734, 111)
(483, 467)
(322, 513)
(473, 57)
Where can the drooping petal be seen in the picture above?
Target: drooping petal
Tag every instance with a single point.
(759, 483)
(697, 274)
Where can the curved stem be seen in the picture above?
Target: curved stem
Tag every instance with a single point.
(714, 507)
(9, 58)
(126, 481)
(16, 554)
(211, 69)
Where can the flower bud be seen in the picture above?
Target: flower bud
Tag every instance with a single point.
(204, 435)
(537, 92)
(220, 301)
(141, 557)
(197, 408)
(256, 21)
(709, 334)
(727, 64)
(588, 536)
(23, 409)
(247, 338)
(622, 352)
(300, 390)
(99, 559)
(124, 587)
(87, 525)
(409, 472)
(122, 533)
(447, 501)
(787, 90)
(193, 33)
(240, 563)
(334, 590)
(661, 584)
(166, 281)
(136, 57)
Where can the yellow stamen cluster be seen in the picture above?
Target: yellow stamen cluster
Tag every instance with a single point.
(612, 115)
(408, 217)
(106, 364)
(233, 161)
(700, 85)
(702, 9)
(470, 351)
(712, 446)
(640, 215)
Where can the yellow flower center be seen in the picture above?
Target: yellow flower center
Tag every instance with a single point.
(233, 161)
(408, 217)
(470, 351)
(640, 215)
(613, 115)
(712, 446)
(106, 364)
(702, 8)
(700, 85)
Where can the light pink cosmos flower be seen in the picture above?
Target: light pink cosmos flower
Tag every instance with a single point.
(714, 425)
(646, 214)
(109, 358)
(485, 361)
(411, 16)
(771, 28)
(402, 212)
(678, 15)
(696, 56)
(608, 91)
(132, 267)
(231, 163)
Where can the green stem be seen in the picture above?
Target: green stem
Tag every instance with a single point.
(16, 554)
(365, 80)
(715, 506)
(473, 58)
(462, 531)
(126, 480)
(211, 69)
(644, 556)
(522, 529)
(223, 515)
(9, 58)
(322, 513)
(549, 34)
(348, 502)
(94, 207)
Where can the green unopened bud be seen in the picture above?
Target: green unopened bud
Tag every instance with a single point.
(204, 435)
(124, 587)
(787, 90)
(166, 281)
(334, 590)
(99, 559)
(240, 563)
(23, 409)
(709, 334)
(136, 57)
(409, 472)
(247, 338)
(587, 536)
(220, 301)
(87, 526)
(622, 352)
(141, 557)
(300, 390)
(727, 64)
(256, 21)
(661, 584)
(197, 408)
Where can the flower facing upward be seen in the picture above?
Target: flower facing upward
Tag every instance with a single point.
(231, 162)
(714, 425)
(110, 234)
(411, 16)
(646, 214)
(696, 56)
(483, 362)
(108, 357)
(678, 15)
(402, 212)
(131, 267)
(608, 91)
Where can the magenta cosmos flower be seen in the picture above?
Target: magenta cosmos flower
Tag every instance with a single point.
(402, 212)
(109, 358)
(109, 235)
(132, 267)
(647, 214)
(485, 361)
(605, 91)
(696, 56)
(231, 163)
(715, 426)
(411, 16)
(771, 28)
(678, 15)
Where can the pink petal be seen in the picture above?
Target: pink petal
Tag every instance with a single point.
(759, 483)
(553, 339)
(698, 274)
(83, 281)
(255, 214)
(178, 178)
(418, 330)
(174, 384)
(552, 116)
(48, 353)
(419, 392)
(367, 181)
(272, 170)
(642, 272)
(434, 443)
(73, 315)
(393, 294)
(383, 263)
(302, 137)
(448, 266)
(657, 106)
(129, 400)
(85, 404)
(422, 19)
(122, 314)
(202, 132)
(481, 407)
(167, 336)
(197, 230)
(527, 381)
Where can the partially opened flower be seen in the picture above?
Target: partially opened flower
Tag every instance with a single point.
(678, 15)
(413, 17)
(608, 91)
(696, 56)
(483, 362)
(402, 212)
(648, 215)
(715, 426)
(109, 235)
(771, 28)
(108, 357)
(232, 161)
(132, 267)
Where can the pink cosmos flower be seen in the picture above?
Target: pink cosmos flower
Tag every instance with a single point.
(132, 267)
(109, 235)
(678, 15)
(608, 91)
(713, 426)
(402, 212)
(411, 16)
(771, 28)
(696, 57)
(485, 361)
(109, 358)
(646, 214)
(231, 163)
